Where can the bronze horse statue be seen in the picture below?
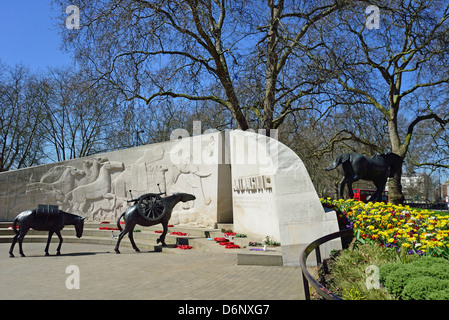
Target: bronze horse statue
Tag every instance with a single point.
(133, 215)
(51, 220)
(377, 169)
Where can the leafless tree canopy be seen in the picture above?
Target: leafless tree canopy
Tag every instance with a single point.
(20, 105)
(251, 57)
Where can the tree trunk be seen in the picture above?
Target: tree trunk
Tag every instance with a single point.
(272, 64)
(395, 195)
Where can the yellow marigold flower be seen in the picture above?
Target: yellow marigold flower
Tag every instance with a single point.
(406, 245)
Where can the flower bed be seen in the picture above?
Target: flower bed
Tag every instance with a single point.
(419, 232)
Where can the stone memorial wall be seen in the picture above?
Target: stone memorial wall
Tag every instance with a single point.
(274, 196)
(98, 187)
(244, 178)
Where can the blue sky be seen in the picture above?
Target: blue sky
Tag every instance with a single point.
(28, 35)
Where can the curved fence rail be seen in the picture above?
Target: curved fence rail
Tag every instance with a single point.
(307, 277)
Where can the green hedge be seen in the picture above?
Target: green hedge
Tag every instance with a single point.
(424, 279)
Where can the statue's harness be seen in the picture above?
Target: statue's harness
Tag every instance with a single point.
(150, 205)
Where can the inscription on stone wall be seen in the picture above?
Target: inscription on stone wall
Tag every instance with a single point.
(252, 184)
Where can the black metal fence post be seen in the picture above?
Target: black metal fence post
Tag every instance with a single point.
(318, 255)
(307, 277)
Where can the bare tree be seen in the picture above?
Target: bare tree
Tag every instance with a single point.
(20, 117)
(431, 145)
(205, 50)
(400, 69)
(78, 115)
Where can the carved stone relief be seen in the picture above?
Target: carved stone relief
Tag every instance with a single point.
(98, 187)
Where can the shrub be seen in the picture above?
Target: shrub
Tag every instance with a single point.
(423, 287)
(424, 279)
(439, 295)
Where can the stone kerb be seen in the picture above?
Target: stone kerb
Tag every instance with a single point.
(273, 195)
(97, 187)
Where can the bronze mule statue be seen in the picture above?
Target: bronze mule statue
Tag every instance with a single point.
(377, 169)
(44, 219)
(148, 210)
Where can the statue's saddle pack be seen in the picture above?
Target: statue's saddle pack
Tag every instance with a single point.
(47, 210)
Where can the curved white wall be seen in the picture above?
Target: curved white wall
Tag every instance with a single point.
(290, 210)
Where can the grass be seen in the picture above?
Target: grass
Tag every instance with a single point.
(348, 271)
(441, 213)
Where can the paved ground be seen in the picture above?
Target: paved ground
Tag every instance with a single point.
(171, 274)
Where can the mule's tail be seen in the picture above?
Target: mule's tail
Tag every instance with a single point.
(338, 161)
(118, 221)
(14, 226)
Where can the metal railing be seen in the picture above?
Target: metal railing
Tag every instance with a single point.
(307, 277)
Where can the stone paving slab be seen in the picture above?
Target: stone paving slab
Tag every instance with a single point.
(171, 274)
